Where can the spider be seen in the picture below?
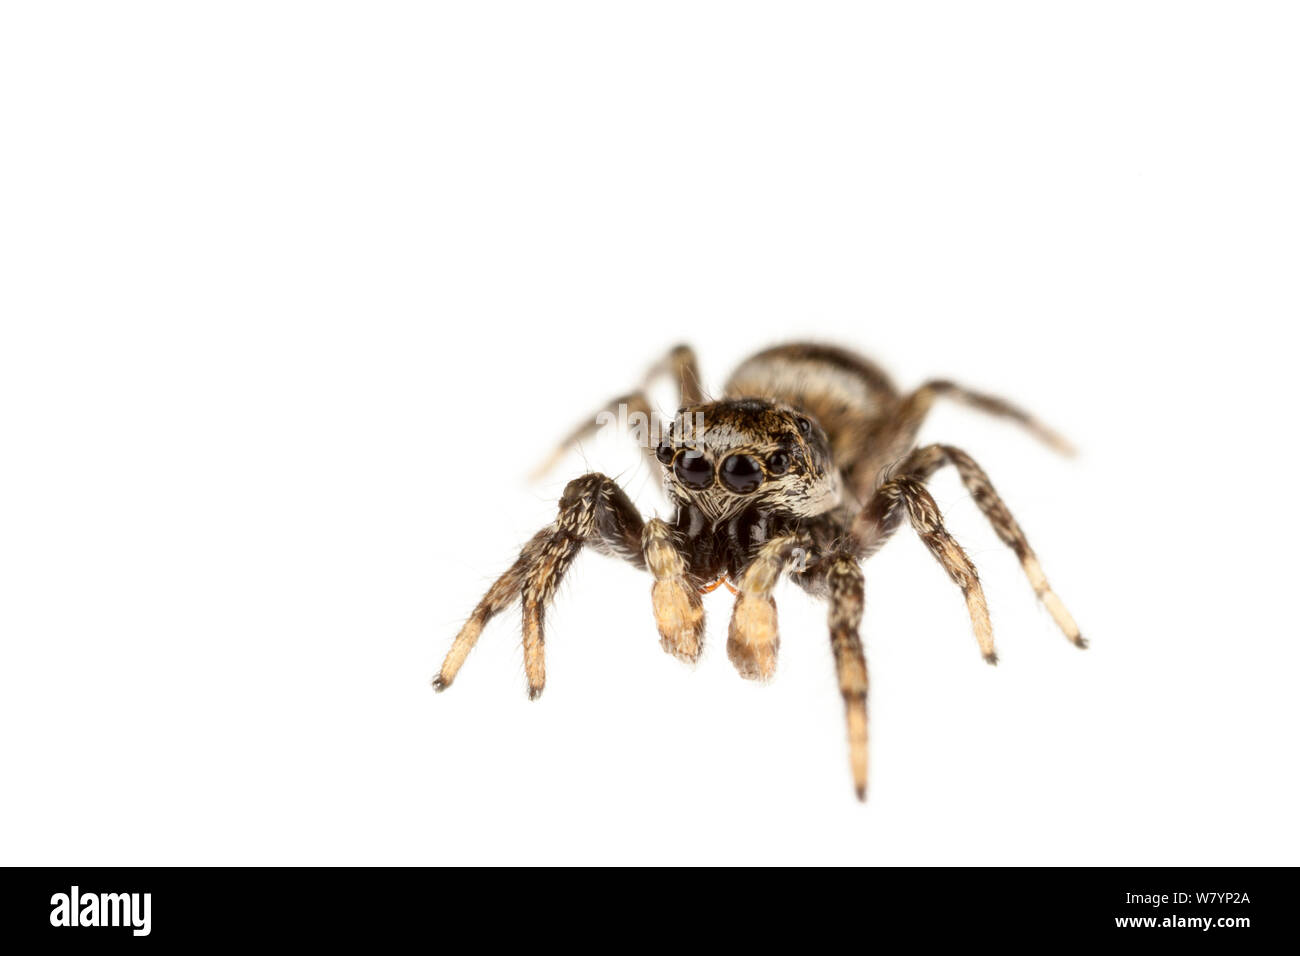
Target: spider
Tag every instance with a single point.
(804, 467)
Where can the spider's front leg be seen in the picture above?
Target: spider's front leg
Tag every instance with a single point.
(838, 578)
(752, 638)
(593, 510)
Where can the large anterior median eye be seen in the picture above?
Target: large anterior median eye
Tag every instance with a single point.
(741, 474)
(693, 469)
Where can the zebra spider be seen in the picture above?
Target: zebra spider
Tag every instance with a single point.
(804, 467)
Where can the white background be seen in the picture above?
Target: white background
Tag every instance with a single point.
(295, 295)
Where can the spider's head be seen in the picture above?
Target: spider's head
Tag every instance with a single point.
(725, 456)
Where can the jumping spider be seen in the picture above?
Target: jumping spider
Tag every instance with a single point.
(805, 466)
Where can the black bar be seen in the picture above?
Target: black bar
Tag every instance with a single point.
(234, 905)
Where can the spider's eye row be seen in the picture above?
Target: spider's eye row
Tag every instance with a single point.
(665, 453)
(778, 463)
(741, 474)
(804, 426)
(693, 469)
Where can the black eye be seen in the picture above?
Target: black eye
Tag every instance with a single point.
(778, 463)
(693, 469)
(804, 426)
(741, 474)
(664, 453)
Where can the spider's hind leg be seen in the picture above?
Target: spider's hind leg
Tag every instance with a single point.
(1001, 408)
(636, 408)
(893, 436)
(593, 510)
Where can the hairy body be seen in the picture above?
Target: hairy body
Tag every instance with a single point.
(804, 467)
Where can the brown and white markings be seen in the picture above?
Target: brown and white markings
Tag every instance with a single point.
(803, 468)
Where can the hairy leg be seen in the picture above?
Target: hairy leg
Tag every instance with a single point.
(838, 578)
(679, 612)
(681, 365)
(752, 638)
(640, 417)
(892, 437)
(593, 510)
(881, 516)
(924, 462)
(1002, 409)
(500, 596)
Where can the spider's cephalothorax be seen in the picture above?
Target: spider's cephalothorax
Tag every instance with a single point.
(804, 467)
(722, 457)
